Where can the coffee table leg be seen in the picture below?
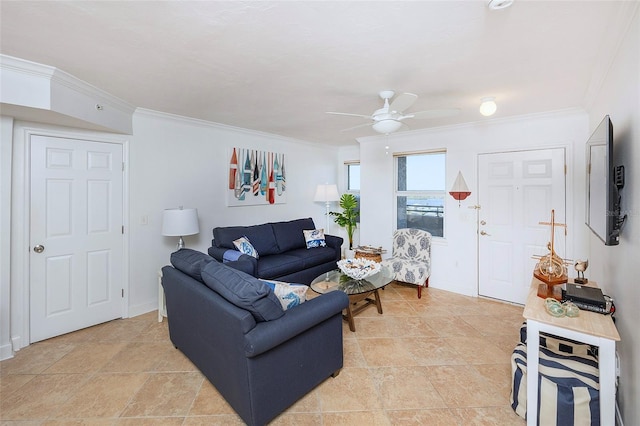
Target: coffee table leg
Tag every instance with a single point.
(378, 303)
(352, 323)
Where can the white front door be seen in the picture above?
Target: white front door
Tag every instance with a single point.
(516, 191)
(76, 235)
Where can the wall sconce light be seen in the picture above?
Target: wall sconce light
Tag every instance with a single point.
(488, 106)
(180, 222)
(460, 190)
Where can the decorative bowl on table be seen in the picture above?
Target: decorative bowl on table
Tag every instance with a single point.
(358, 269)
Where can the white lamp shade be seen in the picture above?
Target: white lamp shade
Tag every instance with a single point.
(180, 222)
(327, 193)
(387, 126)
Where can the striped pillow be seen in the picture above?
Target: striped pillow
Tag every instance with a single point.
(568, 387)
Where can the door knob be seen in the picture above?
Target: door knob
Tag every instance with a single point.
(484, 233)
(483, 222)
(39, 248)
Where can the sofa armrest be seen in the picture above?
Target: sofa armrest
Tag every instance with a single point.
(245, 263)
(217, 252)
(269, 334)
(333, 241)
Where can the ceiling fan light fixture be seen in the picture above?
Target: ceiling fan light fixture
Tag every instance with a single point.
(499, 4)
(488, 106)
(386, 126)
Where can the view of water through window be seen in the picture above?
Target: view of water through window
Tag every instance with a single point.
(420, 192)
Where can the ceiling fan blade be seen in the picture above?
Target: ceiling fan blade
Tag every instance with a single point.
(434, 113)
(348, 114)
(356, 127)
(402, 102)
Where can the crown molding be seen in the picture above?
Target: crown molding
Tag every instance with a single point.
(476, 124)
(189, 121)
(51, 89)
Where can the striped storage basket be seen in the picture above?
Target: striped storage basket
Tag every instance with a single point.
(568, 386)
(560, 344)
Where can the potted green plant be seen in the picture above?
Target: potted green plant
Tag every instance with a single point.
(348, 218)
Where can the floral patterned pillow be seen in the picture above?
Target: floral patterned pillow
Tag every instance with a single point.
(314, 238)
(244, 246)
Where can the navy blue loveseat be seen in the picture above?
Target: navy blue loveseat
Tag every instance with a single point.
(282, 251)
(259, 357)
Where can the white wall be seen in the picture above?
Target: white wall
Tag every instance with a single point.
(454, 258)
(6, 136)
(178, 161)
(614, 268)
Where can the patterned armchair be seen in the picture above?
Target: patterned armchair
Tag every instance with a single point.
(410, 260)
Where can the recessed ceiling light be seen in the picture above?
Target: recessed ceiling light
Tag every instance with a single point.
(488, 106)
(499, 4)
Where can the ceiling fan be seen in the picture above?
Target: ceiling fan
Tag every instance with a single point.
(389, 118)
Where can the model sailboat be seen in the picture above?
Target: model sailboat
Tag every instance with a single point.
(551, 269)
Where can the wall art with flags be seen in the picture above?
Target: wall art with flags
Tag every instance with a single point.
(256, 177)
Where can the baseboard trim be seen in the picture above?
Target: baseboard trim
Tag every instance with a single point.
(141, 309)
(6, 352)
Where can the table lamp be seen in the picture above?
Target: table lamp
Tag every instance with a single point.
(180, 222)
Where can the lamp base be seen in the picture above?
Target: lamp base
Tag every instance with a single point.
(326, 231)
(180, 244)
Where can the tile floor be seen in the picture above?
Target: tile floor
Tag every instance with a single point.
(440, 360)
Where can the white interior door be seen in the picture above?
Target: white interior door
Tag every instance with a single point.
(516, 191)
(76, 237)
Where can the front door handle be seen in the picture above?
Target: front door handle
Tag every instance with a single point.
(39, 248)
(484, 233)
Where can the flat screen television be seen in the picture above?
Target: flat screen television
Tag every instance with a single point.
(604, 181)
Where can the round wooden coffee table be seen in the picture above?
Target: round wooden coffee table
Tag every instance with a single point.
(357, 290)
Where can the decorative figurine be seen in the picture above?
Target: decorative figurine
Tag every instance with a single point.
(581, 266)
(551, 268)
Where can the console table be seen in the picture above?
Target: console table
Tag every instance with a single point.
(590, 328)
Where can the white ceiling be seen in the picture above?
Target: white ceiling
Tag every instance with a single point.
(277, 67)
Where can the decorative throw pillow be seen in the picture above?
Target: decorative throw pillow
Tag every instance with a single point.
(314, 238)
(244, 246)
(290, 295)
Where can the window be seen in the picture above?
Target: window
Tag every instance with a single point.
(353, 182)
(420, 191)
(353, 177)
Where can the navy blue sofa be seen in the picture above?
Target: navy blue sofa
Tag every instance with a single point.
(282, 250)
(259, 357)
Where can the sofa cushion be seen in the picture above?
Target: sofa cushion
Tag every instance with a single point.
(261, 237)
(315, 257)
(244, 246)
(191, 262)
(243, 290)
(289, 234)
(314, 238)
(278, 265)
(288, 294)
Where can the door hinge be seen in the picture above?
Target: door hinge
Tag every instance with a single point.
(565, 169)
(122, 229)
(122, 292)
